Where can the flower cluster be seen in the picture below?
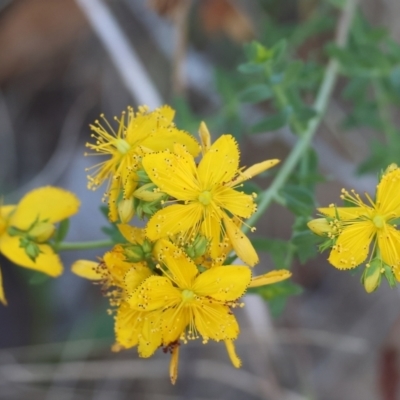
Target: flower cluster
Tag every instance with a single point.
(167, 282)
(365, 232)
(27, 230)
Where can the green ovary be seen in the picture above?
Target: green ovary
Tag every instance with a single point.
(205, 198)
(379, 221)
(122, 146)
(187, 296)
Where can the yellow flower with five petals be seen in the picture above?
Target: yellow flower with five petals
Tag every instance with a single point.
(138, 133)
(26, 228)
(358, 226)
(207, 195)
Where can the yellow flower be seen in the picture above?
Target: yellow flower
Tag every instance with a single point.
(137, 135)
(207, 195)
(26, 228)
(362, 224)
(120, 278)
(192, 304)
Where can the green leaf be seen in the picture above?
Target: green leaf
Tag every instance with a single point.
(278, 50)
(37, 278)
(292, 72)
(277, 249)
(305, 245)
(299, 200)
(256, 94)
(251, 68)
(250, 187)
(277, 306)
(62, 231)
(356, 89)
(280, 289)
(271, 123)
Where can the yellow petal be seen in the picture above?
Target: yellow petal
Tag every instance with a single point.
(389, 246)
(352, 245)
(5, 211)
(226, 283)
(86, 269)
(220, 163)
(114, 193)
(211, 229)
(135, 277)
(150, 337)
(240, 242)
(174, 219)
(116, 264)
(156, 292)
(131, 233)
(254, 170)
(128, 325)
(2, 294)
(47, 261)
(165, 138)
(205, 137)
(47, 203)
(215, 321)
(174, 174)
(270, 277)
(387, 194)
(230, 348)
(238, 203)
(182, 269)
(344, 213)
(144, 123)
(174, 322)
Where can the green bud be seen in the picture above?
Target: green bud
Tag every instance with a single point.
(262, 54)
(41, 232)
(198, 247)
(320, 226)
(147, 193)
(134, 253)
(31, 248)
(147, 248)
(371, 277)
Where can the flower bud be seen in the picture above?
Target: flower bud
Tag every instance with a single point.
(147, 248)
(42, 231)
(198, 247)
(320, 226)
(32, 250)
(134, 253)
(147, 193)
(371, 277)
(126, 210)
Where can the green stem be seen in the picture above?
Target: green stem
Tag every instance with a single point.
(320, 106)
(96, 244)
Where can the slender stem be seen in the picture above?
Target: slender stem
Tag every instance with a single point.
(320, 106)
(96, 244)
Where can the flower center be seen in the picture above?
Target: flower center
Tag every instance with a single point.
(187, 296)
(205, 198)
(379, 221)
(122, 146)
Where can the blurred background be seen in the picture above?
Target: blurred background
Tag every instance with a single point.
(64, 62)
